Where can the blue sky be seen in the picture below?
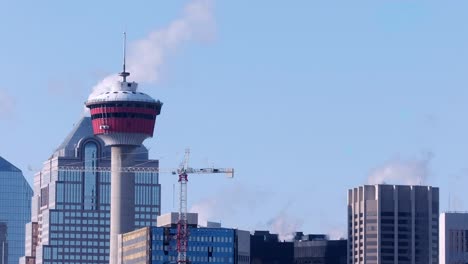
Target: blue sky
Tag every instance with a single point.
(303, 99)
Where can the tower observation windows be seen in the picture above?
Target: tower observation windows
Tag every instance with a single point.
(123, 115)
(154, 106)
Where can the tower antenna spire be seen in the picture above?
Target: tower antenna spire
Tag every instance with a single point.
(124, 74)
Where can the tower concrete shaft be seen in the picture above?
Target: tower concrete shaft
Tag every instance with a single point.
(123, 118)
(122, 197)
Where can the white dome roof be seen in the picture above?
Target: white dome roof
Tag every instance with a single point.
(127, 92)
(121, 96)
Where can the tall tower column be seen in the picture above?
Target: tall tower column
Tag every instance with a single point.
(122, 197)
(123, 118)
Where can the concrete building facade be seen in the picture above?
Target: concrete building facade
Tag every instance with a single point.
(453, 238)
(70, 221)
(393, 224)
(15, 212)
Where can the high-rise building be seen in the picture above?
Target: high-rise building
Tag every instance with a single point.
(393, 224)
(318, 249)
(15, 212)
(70, 221)
(453, 239)
(158, 244)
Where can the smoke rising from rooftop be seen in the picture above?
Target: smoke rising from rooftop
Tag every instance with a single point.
(413, 171)
(146, 57)
(241, 200)
(284, 225)
(336, 233)
(238, 199)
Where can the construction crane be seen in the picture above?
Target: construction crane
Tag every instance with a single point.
(182, 230)
(183, 171)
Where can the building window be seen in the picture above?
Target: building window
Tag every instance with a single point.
(90, 190)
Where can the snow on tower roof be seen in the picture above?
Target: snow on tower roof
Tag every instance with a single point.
(122, 91)
(119, 96)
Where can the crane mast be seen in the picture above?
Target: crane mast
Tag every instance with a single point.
(182, 230)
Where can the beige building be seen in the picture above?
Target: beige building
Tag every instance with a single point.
(393, 224)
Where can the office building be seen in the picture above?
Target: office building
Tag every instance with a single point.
(15, 212)
(266, 248)
(318, 249)
(70, 221)
(453, 240)
(158, 244)
(393, 224)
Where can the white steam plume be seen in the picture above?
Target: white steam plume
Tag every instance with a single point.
(336, 233)
(241, 201)
(284, 225)
(400, 171)
(330, 225)
(236, 200)
(7, 104)
(147, 56)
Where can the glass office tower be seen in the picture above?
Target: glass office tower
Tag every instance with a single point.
(15, 212)
(71, 204)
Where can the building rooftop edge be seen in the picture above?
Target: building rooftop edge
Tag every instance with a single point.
(395, 185)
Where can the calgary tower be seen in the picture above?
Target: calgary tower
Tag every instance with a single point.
(123, 118)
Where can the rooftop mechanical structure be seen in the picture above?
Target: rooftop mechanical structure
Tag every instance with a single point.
(123, 118)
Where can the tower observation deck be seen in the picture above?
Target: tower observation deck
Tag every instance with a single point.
(123, 118)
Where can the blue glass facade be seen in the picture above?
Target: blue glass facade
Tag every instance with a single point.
(15, 212)
(205, 245)
(70, 220)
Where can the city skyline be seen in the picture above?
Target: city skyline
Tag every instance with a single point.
(71, 208)
(362, 90)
